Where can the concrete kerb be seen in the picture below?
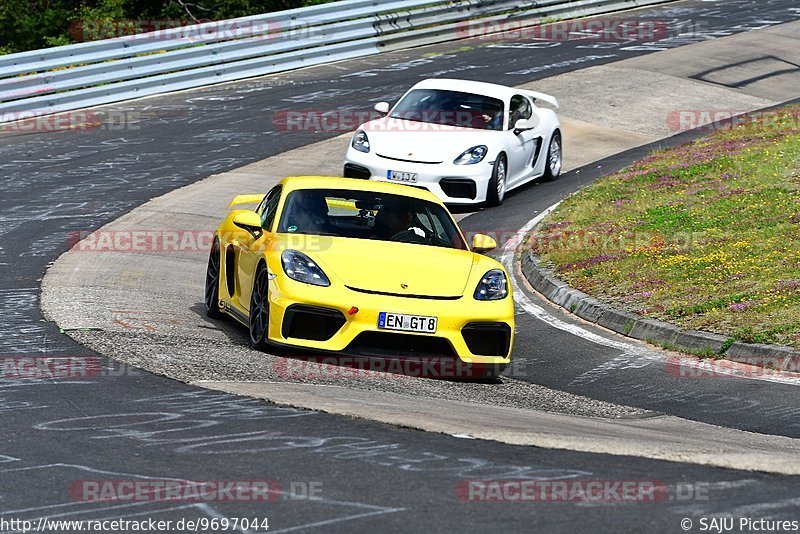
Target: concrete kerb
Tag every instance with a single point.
(543, 280)
(695, 342)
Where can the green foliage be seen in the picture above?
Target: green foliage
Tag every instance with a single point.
(33, 24)
(28, 24)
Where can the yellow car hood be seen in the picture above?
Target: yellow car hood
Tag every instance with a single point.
(397, 268)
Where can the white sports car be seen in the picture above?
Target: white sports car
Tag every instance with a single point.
(467, 142)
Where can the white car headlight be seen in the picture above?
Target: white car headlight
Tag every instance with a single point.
(493, 286)
(300, 267)
(472, 155)
(360, 141)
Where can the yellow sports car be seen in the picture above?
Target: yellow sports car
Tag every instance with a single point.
(360, 268)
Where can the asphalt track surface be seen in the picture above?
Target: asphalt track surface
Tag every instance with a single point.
(134, 425)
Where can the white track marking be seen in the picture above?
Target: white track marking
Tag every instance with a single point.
(760, 510)
(340, 520)
(507, 259)
(67, 509)
(630, 351)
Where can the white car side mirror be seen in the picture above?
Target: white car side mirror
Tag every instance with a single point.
(523, 125)
(382, 107)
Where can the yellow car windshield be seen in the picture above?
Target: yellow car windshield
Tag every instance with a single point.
(369, 215)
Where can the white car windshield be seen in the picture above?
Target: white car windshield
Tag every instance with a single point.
(451, 108)
(369, 215)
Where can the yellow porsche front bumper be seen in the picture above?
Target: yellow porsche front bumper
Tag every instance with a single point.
(325, 318)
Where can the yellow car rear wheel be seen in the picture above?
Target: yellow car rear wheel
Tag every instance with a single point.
(211, 296)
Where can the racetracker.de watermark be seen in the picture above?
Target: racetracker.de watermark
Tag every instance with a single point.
(733, 367)
(602, 29)
(170, 490)
(61, 367)
(175, 241)
(152, 490)
(554, 239)
(711, 120)
(343, 121)
(387, 368)
(189, 31)
(579, 491)
(38, 121)
(140, 241)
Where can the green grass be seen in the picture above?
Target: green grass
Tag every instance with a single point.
(705, 235)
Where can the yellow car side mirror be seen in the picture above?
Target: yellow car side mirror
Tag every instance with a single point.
(250, 221)
(482, 243)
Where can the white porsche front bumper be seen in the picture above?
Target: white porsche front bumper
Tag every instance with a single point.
(453, 184)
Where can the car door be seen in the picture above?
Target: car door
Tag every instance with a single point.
(520, 146)
(250, 248)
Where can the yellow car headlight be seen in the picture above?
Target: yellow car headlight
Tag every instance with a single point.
(493, 286)
(300, 267)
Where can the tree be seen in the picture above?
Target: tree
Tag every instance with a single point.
(32, 24)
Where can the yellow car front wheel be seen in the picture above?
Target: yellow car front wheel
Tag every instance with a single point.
(259, 310)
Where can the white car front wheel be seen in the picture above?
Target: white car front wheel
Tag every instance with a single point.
(496, 188)
(552, 169)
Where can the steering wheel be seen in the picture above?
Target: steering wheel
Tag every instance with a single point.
(408, 236)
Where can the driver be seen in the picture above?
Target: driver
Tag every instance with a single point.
(493, 119)
(391, 220)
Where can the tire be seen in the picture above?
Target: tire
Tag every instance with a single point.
(211, 294)
(552, 167)
(496, 188)
(259, 310)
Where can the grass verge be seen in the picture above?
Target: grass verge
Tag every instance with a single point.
(705, 235)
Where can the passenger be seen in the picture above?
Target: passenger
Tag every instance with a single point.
(309, 213)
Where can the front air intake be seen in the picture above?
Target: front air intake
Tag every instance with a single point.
(487, 339)
(301, 321)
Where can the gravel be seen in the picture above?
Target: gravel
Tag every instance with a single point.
(190, 360)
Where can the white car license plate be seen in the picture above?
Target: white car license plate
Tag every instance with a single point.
(407, 323)
(398, 176)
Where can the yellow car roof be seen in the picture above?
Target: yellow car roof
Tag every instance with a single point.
(353, 184)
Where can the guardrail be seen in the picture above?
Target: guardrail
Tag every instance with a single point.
(88, 74)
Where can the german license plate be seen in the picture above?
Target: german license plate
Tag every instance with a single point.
(398, 176)
(407, 323)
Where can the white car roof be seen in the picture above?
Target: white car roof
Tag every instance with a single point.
(467, 86)
(502, 92)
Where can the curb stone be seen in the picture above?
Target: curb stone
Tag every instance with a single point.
(619, 321)
(698, 340)
(770, 355)
(543, 280)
